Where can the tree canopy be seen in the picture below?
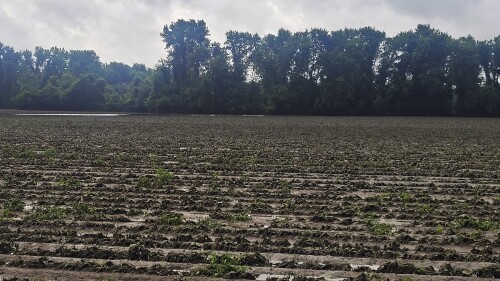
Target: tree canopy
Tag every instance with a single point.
(422, 72)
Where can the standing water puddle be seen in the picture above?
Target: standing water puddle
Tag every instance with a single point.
(264, 277)
(73, 114)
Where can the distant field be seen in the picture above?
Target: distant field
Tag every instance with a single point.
(202, 197)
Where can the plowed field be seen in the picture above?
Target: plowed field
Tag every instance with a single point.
(249, 197)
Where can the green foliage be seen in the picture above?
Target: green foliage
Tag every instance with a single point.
(354, 71)
(222, 266)
(4, 215)
(376, 227)
(425, 209)
(208, 223)
(144, 182)
(14, 205)
(405, 197)
(99, 161)
(161, 178)
(28, 153)
(49, 213)
(476, 223)
(171, 219)
(470, 236)
(69, 182)
(84, 211)
(50, 153)
(241, 216)
(439, 229)
(285, 186)
(31, 153)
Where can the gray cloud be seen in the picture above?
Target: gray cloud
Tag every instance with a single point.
(128, 30)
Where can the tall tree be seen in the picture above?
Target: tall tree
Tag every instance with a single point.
(83, 61)
(465, 70)
(87, 93)
(241, 47)
(188, 46)
(9, 63)
(52, 62)
(347, 70)
(415, 65)
(273, 61)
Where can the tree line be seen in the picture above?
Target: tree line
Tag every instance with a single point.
(422, 72)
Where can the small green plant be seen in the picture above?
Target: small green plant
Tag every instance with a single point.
(28, 153)
(50, 153)
(99, 162)
(405, 196)
(285, 186)
(223, 266)
(69, 182)
(8, 149)
(470, 236)
(171, 219)
(144, 182)
(439, 229)
(240, 216)
(280, 222)
(475, 223)
(4, 216)
(376, 227)
(14, 205)
(208, 223)
(289, 205)
(162, 177)
(214, 182)
(252, 160)
(83, 211)
(425, 209)
(49, 213)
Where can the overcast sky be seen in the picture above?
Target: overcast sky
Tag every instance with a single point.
(128, 30)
